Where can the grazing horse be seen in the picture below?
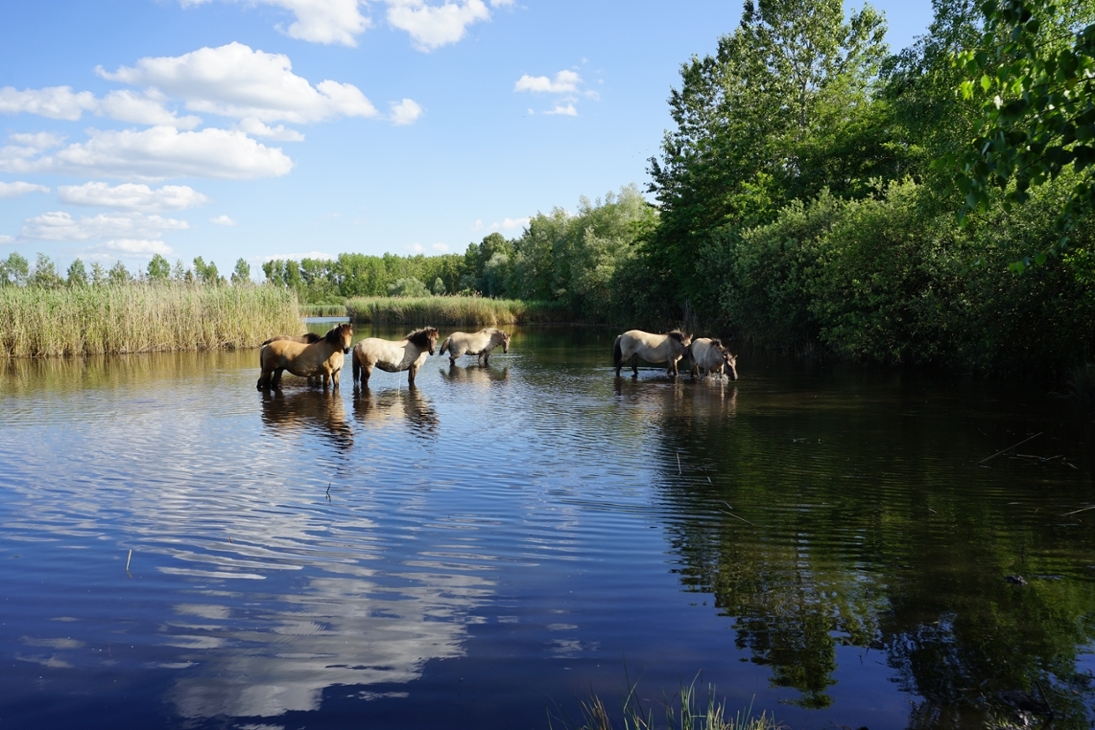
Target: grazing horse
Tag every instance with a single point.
(316, 359)
(633, 344)
(479, 344)
(709, 355)
(393, 357)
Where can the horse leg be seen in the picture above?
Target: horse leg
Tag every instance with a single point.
(635, 365)
(334, 379)
(275, 382)
(410, 374)
(356, 374)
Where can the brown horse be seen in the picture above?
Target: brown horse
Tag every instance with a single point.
(308, 338)
(394, 356)
(633, 344)
(323, 358)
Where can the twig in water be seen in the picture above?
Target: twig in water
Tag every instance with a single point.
(328, 491)
(736, 516)
(130, 557)
(1010, 447)
(679, 471)
(1078, 511)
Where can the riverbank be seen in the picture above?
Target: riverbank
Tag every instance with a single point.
(440, 311)
(141, 317)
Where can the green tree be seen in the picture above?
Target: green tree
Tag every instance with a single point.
(14, 270)
(77, 274)
(408, 287)
(438, 288)
(207, 273)
(159, 269)
(241, 275)
(179, 272)
(119, 274)
(1036, 75)
(45, 273)
(98, 274)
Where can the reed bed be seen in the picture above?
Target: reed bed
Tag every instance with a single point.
(436, 311)
(141, 317)
(323, 310)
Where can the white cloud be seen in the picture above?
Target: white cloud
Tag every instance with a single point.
(55, 102)
(509, 224)
(281, 133)
(6, 238)
(236, 81)
(568, 110)
(440, 247)
(478, 225)
(136, 247)
(319, 21)
(17, 189)
(222, 220)
(61, 226)
(162, 152)
(131, 196)
(38, 140)
(565, 82)
(414, 248)
(405, 112)
(127, 106)
(433, 26)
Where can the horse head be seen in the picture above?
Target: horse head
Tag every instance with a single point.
(731, 361)
(424, 339)
(505, 341)
(342, 337)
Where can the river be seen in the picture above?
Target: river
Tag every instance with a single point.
(831, 545)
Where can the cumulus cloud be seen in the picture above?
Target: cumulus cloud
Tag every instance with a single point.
(319, 21)
(132, 196)
(568, 110)
(161, 152)
(405, 112)
(440, 247)
(565, 82)
(509, 224)
(135, 247)
(236, 81)
(222, 220)
(433, 26)
(4, 238)
(128, 106)
(281, 133)
(61, 226)
(18, 189)
(414, 248)
(55, 102)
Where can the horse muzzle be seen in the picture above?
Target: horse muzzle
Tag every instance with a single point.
(346, 350)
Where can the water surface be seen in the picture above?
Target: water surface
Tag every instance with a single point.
(829, 544)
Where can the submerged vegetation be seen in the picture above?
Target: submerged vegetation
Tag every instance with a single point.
(140, 317)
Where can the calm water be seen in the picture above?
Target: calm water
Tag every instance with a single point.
(179, 550)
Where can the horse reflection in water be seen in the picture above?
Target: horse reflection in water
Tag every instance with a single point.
(474, 374)
(707, 398)
(321, 412)
(378, 410)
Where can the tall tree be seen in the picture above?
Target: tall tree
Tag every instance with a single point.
(159, 269)
(77, 273)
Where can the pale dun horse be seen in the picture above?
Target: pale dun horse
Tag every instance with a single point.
(393, 356)
(479, 344)
(322, 358)
(709, 355)
(633, 344)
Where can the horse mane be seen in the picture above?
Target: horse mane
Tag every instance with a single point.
(676, 335)
(717, 343)
(420, 338)
(307, 338)
(334, 335)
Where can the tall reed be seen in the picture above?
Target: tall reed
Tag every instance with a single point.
(141, 317)
(477, 311)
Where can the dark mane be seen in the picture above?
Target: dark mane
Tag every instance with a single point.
(334, 336)
(717, 343)
(307, 338)
(421, 338)
(676, 335)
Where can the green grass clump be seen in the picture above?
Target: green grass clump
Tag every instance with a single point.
(679, 713)
(141, 317)
(436, 311)
(323, 310)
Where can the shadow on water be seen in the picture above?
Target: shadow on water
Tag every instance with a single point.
(838, 518)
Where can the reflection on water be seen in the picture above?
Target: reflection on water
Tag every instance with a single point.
(179, 549)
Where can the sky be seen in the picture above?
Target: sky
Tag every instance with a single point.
(263, 129)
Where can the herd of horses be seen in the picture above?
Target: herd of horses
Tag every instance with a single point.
(320, 357)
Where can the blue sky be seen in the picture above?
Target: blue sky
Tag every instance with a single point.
(285, 128)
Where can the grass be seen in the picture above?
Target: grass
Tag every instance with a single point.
(323, 310)
(678, 713)
(141, 317)
(436, 311)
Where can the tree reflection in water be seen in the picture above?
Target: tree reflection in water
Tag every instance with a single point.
(814, 543)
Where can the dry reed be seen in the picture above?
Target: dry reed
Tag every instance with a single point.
(141, 317)
(437, 311)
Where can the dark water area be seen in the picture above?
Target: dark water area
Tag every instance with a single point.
(828, 544)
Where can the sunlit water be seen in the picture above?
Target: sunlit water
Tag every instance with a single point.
(827, 544)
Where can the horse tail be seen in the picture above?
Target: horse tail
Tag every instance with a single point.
(617, 352)
(444, 345)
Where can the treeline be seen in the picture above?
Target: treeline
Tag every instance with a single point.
(15, 270)
(578, 260)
